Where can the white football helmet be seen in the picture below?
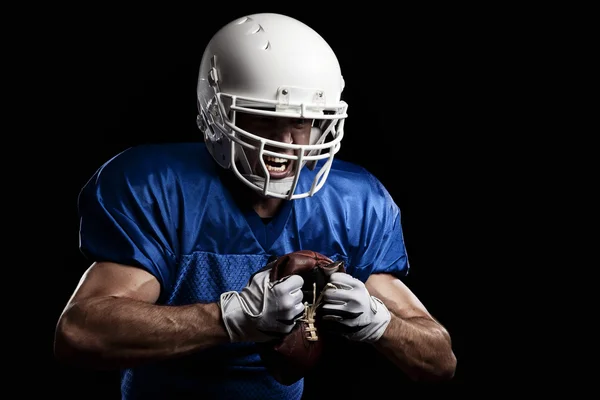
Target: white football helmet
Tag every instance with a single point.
(270, 64)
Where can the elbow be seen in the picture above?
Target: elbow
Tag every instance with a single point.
(68, 341)
(441, 370)
(73, 345)
(440, 366)
(446, 368)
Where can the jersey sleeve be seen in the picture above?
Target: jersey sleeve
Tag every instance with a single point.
(123, 219)
(383, 248)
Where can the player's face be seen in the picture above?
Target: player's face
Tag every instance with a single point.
(285, 130)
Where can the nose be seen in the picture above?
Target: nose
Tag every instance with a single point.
(282, 131)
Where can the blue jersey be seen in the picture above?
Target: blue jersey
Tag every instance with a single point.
(164, 208)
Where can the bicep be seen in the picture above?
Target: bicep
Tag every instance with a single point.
(105, 279)
(398, 298)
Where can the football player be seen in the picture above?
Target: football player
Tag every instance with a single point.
(175, 233)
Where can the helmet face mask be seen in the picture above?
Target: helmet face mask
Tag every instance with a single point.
(271, 66)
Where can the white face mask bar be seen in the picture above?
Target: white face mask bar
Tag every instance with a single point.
(312, 153)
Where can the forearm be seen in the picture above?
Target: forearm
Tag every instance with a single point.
(420, 347)
(111, 332)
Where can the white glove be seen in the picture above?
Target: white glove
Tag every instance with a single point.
(263, 310)
(350, 310)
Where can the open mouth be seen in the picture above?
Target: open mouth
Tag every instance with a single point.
(278, 167)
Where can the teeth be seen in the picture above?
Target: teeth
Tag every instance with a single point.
(276, 159)
(275, 169)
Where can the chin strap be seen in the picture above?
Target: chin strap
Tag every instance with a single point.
(279, 186)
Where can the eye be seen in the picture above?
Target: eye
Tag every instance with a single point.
(299, 122)
(264, 120)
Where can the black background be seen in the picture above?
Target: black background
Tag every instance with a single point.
(424, 87)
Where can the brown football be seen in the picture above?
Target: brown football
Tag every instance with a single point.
(291, 358)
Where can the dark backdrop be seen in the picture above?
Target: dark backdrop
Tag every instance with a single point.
(417, 84)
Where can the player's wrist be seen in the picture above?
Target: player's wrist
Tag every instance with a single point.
(381, 320)
(232, 313)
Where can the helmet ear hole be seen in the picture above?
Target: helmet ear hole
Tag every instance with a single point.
(201, 122)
